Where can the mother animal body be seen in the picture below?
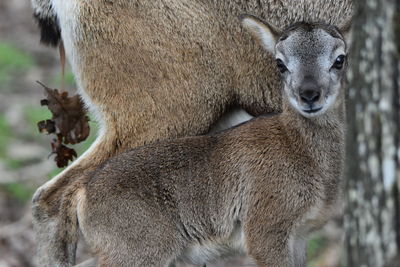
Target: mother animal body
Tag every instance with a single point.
(152, 70)
(259, 188)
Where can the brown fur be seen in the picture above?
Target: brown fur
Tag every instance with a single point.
(146, 206)
(153, 70)
(272, 180)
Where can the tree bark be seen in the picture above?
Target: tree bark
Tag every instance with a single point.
(372, 216)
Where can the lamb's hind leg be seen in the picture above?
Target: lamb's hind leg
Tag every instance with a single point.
(53, 250)
(123, 234)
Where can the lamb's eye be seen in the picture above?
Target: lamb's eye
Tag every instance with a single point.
(339, 62)
(281, 66)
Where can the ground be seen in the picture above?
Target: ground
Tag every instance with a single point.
(24, 152)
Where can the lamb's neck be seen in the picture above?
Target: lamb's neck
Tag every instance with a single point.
(317, 131)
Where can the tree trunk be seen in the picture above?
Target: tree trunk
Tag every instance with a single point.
(372, 219)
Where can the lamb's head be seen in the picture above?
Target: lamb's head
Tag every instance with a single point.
(311, 58)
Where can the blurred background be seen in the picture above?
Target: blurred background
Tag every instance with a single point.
(25, 161)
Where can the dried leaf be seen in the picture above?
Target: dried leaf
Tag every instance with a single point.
(44, 102)
(47, 126)
(63, 154)
(69, 123)
(69, 115)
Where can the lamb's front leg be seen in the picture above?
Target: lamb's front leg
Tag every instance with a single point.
(269, 248)
(298, 245)
(270, 237)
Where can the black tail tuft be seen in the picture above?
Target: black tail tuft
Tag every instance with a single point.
(50, 32)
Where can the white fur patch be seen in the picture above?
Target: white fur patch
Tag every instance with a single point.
(231, 119)
(261, 31)
(42, 8)
(67, 13)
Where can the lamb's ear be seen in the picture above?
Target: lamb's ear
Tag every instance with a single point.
(265, 32)
(346, 30)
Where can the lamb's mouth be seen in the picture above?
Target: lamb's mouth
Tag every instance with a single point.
(312, 110)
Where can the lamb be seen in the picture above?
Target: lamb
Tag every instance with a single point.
(256, 189)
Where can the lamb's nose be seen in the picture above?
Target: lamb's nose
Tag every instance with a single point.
(310, 96)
